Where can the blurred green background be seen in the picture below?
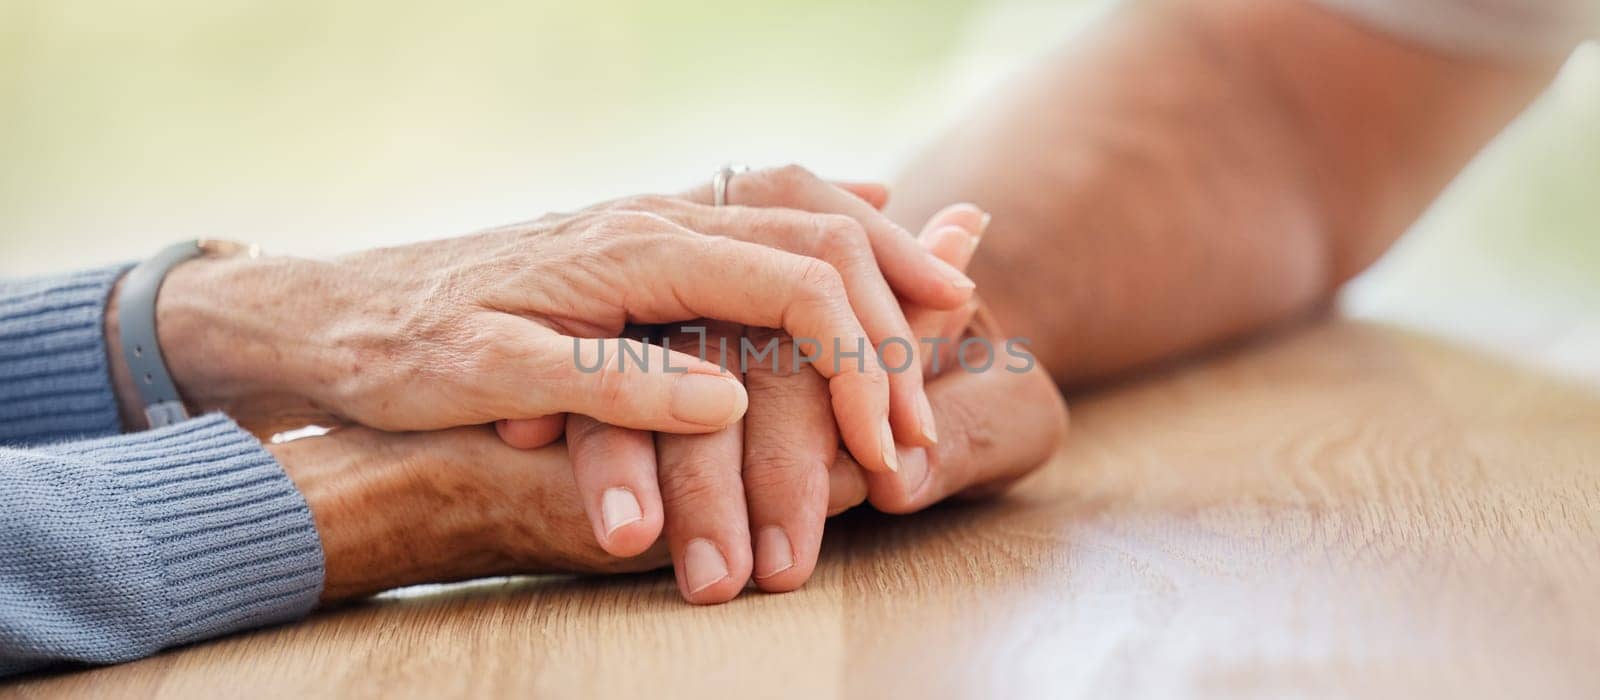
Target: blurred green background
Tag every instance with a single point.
(317, 127)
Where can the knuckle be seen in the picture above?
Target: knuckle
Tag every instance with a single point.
(691, 483)
(786, 388)
(698, 246)
(633, 222)
(783, 185)
(784, 458)
(820, 280)
(610, 385)
(782, 485)
(792, 174)
(794, 477)
(841, 226)
(652, 203)
(616, 237)
(585, 430)
(840, 236)
(875, 379)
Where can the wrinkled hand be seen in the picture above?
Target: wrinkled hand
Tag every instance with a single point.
(749, 501)
(397, 509)
(998, 414)
(494, 325)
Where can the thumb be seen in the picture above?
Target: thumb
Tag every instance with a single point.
(631, 384)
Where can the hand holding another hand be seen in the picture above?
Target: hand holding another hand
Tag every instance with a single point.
(399, 509)
(500, 324)
(495, 325)
(748, 502)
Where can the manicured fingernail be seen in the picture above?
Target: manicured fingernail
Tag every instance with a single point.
(914, 468)
(703, 565)
(619, 507)
(956, 279)
(774, 555)
(983, 224)
(708, 399)
(886, 445)
(925, 419)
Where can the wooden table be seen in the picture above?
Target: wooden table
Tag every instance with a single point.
(1343, 509)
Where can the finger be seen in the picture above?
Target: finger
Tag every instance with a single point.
(529, 433)
(842, 243)
(998, 425)
(952, 244)
(789, 444)
(918, 277)
(964, 215)
(624, 382)
(874, 193)
(707, 528)
(946, 345)
(757, 285)
(615, 471)
(847, 484)
(707, 525)
(952, 235)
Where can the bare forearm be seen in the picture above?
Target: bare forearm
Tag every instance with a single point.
(1191, 172)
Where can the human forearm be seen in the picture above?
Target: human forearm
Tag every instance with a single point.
(1193, 171)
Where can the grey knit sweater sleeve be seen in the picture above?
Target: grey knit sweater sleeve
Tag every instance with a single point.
(113, 547)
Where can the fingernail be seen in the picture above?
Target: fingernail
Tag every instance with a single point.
(925, 419)
(950, 240)
(914, 468)
(619, 507)
(703, 564)
(983, 224)
(886, 445)
(707, 399)
(774, 555)
(957, 280)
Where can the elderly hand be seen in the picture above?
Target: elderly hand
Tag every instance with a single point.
(495, 325)
(399, 509)
(750, 501)
(396, 509)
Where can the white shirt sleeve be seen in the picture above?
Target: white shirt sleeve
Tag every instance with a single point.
(1516, 28)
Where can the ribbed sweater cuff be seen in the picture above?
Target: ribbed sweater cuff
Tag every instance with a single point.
(54, 384)
(235, 539)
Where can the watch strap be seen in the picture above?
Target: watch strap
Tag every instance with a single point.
(136, 315)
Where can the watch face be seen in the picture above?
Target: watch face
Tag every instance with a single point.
(226, 248)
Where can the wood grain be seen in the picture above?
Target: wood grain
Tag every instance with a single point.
(1344, 509)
